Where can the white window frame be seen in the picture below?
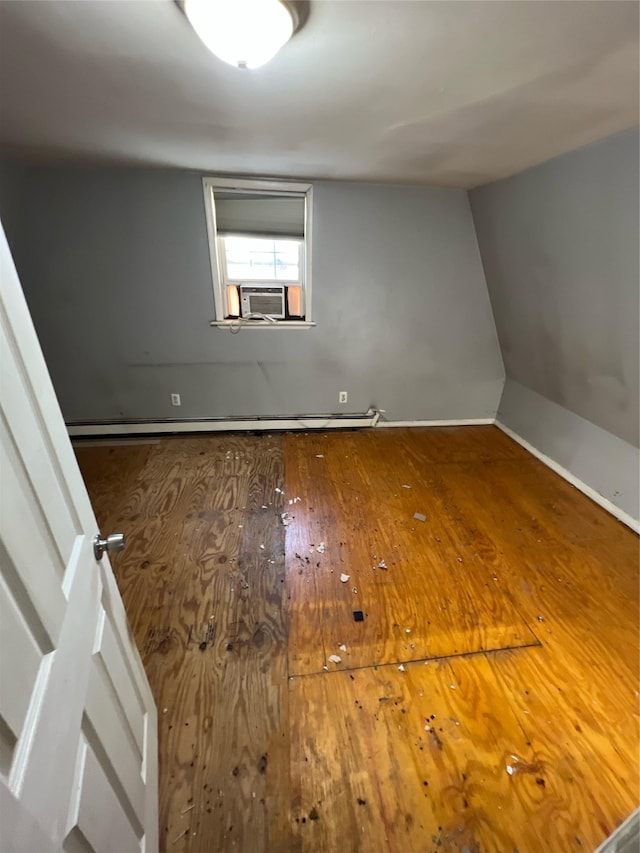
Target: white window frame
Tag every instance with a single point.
(210, 185)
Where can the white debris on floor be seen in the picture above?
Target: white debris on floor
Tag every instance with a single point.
(419, 516)
(342, 647)
(319, 455)
(512, 768)
(401, 668)
(279, 491)
(344, 578)
(382, 564)
(286, 518)
(322, 548)
(404, 486)
(335, 659)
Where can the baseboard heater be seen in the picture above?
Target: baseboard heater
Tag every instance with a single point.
(285, 422)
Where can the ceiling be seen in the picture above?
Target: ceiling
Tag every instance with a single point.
(435, 93)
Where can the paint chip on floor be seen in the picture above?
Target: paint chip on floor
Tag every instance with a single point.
(419, 516)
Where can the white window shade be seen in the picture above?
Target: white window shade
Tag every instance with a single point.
(264, 215)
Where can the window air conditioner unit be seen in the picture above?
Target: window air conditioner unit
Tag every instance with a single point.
(262, 299)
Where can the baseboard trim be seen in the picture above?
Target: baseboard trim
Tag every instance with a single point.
(77, 430)
(590, 492)
(369, 419)
(448, 423)
(625, 838)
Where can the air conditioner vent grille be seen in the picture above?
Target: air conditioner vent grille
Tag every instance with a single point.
(262, 300)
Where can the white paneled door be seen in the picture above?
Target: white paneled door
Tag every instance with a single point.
(78, 726)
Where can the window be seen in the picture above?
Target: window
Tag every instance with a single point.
(260, 246)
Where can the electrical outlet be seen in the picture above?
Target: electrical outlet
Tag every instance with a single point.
(342, 397)
(175, 400)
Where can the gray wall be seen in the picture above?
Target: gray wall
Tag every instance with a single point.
(115, 267)
(559, 245)
(595, 456)
(12, 199)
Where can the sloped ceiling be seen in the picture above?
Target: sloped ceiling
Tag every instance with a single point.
(436, 93)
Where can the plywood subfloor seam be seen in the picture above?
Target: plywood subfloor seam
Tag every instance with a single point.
(417, 661)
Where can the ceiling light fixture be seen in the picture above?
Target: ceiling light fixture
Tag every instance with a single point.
(244, 33)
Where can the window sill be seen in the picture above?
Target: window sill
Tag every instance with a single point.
(262, 324)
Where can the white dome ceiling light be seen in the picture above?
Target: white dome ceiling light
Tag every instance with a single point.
(244, 33)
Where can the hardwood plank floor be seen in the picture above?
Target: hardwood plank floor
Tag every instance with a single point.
(512, 610)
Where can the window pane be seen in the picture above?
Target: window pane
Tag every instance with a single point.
(287, 260)
(256, 259)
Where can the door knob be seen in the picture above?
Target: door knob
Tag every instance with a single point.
(114, 542)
